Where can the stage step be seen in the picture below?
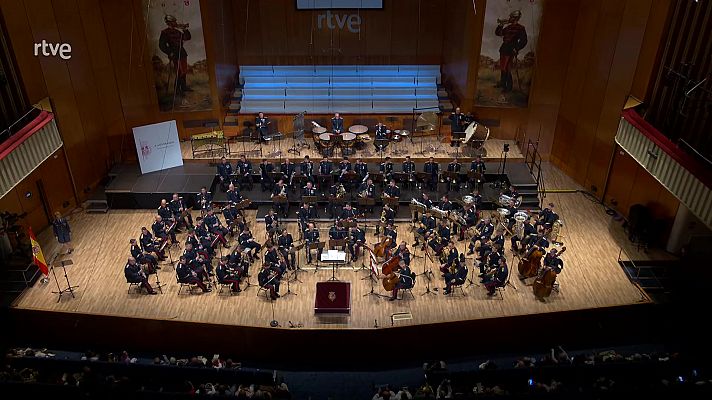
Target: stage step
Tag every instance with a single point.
(96, 206)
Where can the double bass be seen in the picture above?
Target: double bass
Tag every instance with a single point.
(388, 269)
(544, 282)
(529, 265)
(379, 250)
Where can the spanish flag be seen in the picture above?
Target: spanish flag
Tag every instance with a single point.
(37, 253)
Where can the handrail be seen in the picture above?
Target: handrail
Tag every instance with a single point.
(533, 160)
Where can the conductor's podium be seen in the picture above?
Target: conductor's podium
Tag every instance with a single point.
(333, 297)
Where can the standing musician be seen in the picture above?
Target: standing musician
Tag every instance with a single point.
(247, 241)
(457, 120)
(271, 223)
(337, 124)
(216, 227)
(188, 276)
(388, 216)
(408, 168)
(287, 168)
(227, 275)
(386, 168)
(266, 169)
(392, 190)
(427, 224)
(403, 252)
(497, 277)
(204, 199)
(224, 172)
(167, 215)
(180, 212)
(358, 238)
(244, 171)
(455, 167)
(381, 131)
(406, 279)
(457, 277)
(261, 123)
(432, 168)
(348, 213)
(344, 167)
(529, 230)
(280, 189)
(311, 236)
(306, 168)
(134, 274)
(285, 244)
(144, 257)
(553, 261)
(361, 168)
(484, 230)
(325, 166)
(148, 245)
(547, 217)
(269, 280)
(233, 195)
(448, 257)
(478, 167)
(391, 232)
(309, 190)
(305, 215)
(159, 230)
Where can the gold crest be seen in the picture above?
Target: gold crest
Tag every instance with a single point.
(332, 296)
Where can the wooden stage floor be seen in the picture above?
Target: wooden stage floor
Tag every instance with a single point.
(591, 278)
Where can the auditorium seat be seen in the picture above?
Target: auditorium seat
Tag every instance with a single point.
(342, 88)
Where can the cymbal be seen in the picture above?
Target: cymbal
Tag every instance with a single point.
(427, 121)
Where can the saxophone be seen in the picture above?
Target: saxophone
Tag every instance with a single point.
(383, 215)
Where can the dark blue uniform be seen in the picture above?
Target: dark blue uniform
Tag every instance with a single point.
(60, 228)
(266, 181)
(311, 236)
(361, 169)
(432, 169)
(244, 172)
(204, 200)
(325, 167)
(458, 278)
(225, 173)
(337, 124)
(358, 238)
(133, 274)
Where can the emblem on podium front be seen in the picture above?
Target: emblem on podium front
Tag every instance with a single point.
(332, 296)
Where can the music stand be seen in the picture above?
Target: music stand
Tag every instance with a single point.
(391, 201)
(309, 200)
(420, 178)
(318, 246)
(366, 203)
(324, 181)
(334, 257)
(69, 289)
(428, 272)
(452, 177)
(297, 267)
(335, 202)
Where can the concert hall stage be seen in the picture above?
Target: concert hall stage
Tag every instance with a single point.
(128, 189)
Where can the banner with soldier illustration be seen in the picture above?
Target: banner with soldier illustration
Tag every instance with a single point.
(508, 54)
(180, 68)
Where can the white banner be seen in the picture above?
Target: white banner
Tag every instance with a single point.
(157, 146)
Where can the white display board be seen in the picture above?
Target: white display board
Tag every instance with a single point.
(157, 146)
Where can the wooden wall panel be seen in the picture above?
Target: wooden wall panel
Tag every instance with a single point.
(649, 58)
(57, 183)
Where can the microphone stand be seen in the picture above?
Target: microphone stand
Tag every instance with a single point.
(427, 273)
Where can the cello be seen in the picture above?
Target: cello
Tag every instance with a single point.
(379, 250)
(388, 269)
(529, 265)
(545, 280)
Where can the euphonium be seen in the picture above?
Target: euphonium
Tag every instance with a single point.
(383, 216)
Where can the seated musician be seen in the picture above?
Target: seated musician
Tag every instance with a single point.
(149, 246)
(305, 215)
(269, 280)
(201, 229)
(497, 277)
(325, 166)
(187, 275)
(233, 195)
(448, 257)
(553, 261)
(406, 279)
(511, 191)
(485, 229)
(204, 199)
(391, 232)
(392, 190)
(134, 274)
(403, 252)
(337, 123)
(337, 231)
(386, 168)
(344, 166)
(445, 204)
(511, 209)
(388, 216)
(347, 213)
(280, 189)
(287, 168)
(200, 244)
(144, 257)
(432, 169)
(239, 263)
(539, 240)
(230, 213)
(529, 230)
(547, 217)
(408, 168)
(358, 238)
(276, 261)
(309, 190)
(306, 168)
(336, 191)
(159, 230)
(491, 259)
(202, 265)
(456, 278)
(483, 253)
(227, 275)
(180, 212)
(311, 236)
(498, 237)
(285, 244)
(478, 165)
(470, 219)
(425, 199)
(244, 173)
(270, 255)
(167, 215)
(361, 168)
(367, 190)
(266, 180)
(427, 224)
(478, 198)
(443, 232)
(212, 222)
(271, 223)
(189, 253)
(249, 243)
(224, 172)
(381, 131)
(262, 126)
(454, 166)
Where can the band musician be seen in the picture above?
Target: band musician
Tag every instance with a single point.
(148, 245)
(188, 276)
(390, 231)
(285, 244)
(386, 168)
(388, 216)
(478, 168)
(204, 199)
(381, 131)
(144, 257)
(483, 233)
(224, 172)
(497, 277)
(311, 236)
(226, 275)
(408, 168)
(160, 231)
(268, 279)
(361, 168)
(280, 189)
(180, 212)
(456, 275)
(356, 240)
(406, 279)
(348, 213)
(337, 124)
(134, 274)
(167, 215)
(271, 223)
(305, 215)
(427, 224)
(403, 252)
(529, 230)
(233, 195)
(306, 168)
(433, 170)
(266, 180)
(262, 125)
(287, 168)
(248, 242)
(448, 257)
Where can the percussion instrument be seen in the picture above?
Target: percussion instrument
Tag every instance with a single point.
(349, 140)
(358, 129)
(364, 137)
(319, 130)
(325, 136)
(468, 199)
(476, 135)
(396, 138)
(402, 132)
(347, 136)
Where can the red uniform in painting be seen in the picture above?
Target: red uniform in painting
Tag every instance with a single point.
(514, 38)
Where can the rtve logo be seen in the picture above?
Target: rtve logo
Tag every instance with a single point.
(351, 22)
(63, 50)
